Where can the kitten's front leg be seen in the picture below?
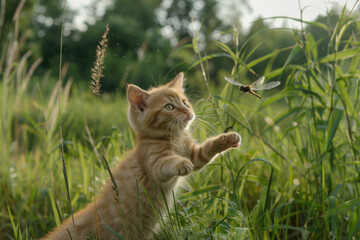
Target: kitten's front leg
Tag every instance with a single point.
(166, 167)
(201, 155)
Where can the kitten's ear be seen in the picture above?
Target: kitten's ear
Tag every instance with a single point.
(137, 97)
(178, 82)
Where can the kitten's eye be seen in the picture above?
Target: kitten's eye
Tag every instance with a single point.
(169, 107)
(185, 103)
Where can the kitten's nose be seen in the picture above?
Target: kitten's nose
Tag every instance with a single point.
(189, 115)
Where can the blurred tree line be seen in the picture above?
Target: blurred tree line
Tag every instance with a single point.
(144, 36)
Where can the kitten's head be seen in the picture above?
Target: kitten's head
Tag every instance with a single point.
(159, 112)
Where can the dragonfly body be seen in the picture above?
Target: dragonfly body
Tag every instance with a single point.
(248, 89)
(257, 85)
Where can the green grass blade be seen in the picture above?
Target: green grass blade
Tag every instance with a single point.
(341, 55)
(55, 210)
(84, 168)
(295, 52)
(341, 33)
(241, 233)
(114, 233)
(343, 207)
(354, 227)
(253, 178)
(311, 47)
(270, 178)
(345, 96)
(14, 227)
(315, 24)
(263, 58)
(208, 57)
(226, 49)
(276, 97)
(334, 122)
(198, 192)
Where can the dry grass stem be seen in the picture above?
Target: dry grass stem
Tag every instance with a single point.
(97, 70)
(91, 140)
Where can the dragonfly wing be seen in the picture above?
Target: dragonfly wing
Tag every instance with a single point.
(258, 82)
(233, 82)
(266, 86)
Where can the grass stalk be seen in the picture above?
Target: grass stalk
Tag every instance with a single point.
(66, 181)
(95, 86)
(115, 187)
(60, 120)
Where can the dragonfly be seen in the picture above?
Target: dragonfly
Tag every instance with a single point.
(257, 86)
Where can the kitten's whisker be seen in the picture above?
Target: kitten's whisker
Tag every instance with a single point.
(181, 140)
(208, 125)
(210, 118)
(174, 122)
(213, 117)
(171, 126)
(201, 103)
(205, 110)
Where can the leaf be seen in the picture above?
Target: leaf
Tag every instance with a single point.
(270, 178)
(224, 100)
(354, 225)
(248, 55)
(311, 47)
(225, 48)
(345, 206)
(275, 98)
(179, 51)
(288, 113)
(198, 192)
(223, 94)
(253, 178)
(208, 57)
(36, 126)
(345, 96)
(316, 24)
(304, 232)
(334, 121)
(14, 227)
(307, 91)
(341, 34)
(55, 210)
(241, 233)
(274, 73)
(345, 54)
(293, 54)
(263, 58)
(113, 232)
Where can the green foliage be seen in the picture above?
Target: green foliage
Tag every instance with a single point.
(296, 175)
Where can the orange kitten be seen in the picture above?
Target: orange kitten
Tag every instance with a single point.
(164, 151)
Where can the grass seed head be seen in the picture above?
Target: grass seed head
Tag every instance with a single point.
(97, 70)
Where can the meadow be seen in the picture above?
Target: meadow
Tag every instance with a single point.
(295, 176)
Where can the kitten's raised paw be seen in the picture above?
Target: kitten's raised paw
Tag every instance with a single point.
(228, 140)
(184, 167)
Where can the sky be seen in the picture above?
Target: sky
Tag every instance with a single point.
(260, 8)
(290, 8)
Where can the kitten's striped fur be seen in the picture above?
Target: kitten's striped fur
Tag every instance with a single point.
(164, 151)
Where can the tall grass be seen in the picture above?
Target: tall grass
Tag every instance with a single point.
(295, 176)
(311, 139)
